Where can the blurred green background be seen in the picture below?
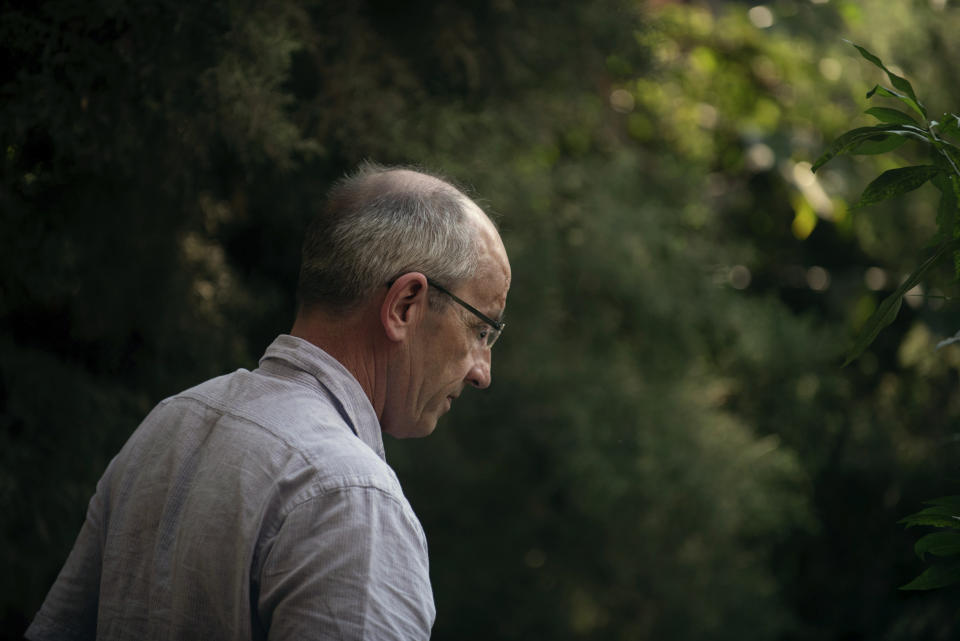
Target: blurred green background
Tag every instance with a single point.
(670, 449)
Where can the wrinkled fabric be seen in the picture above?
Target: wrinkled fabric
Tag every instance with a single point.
(257, 505)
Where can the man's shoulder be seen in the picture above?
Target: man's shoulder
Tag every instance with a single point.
(290, 426)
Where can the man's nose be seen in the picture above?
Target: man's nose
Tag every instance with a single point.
(479, 375)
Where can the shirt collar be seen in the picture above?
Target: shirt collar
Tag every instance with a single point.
(337, 379)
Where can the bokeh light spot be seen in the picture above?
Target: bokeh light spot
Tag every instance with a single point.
(875, 278)
(739, 277)
(622, 101)
(760, 157)
(818, 278)
(830, 68)
(761, 17)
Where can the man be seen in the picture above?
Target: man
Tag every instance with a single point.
(259, 504)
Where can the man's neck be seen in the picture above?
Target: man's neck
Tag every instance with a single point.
(353, 343)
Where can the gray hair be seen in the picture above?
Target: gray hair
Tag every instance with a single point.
(376, 226)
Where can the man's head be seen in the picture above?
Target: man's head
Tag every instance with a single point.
(391, 252)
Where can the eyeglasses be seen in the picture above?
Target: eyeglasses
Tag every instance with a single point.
(488, 336)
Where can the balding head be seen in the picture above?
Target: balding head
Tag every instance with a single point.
(382, 222)
(372, 181)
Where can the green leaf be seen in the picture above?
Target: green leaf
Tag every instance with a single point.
(947, 208)
(885, 314)
(932, 520)
(937, 516)
(936, 576)
(878, 145)
(902, 84)
(887, 311)
(938, 544)
(892, 116)
(890, 93)
(951, 155)
(855, 137)
(894, 182)
(950, 125)
(950, 502)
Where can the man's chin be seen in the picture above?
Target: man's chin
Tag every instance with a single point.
(419, 430)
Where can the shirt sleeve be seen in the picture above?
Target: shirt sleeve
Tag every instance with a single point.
(70, 609)
(349, 564)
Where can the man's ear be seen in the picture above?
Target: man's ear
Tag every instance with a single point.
(404, 305)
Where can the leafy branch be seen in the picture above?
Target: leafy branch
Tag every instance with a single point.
(943, 513)
(895, 128)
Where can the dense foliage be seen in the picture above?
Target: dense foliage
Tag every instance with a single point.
(670, 449)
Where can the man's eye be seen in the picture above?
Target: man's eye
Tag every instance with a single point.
(484, 333)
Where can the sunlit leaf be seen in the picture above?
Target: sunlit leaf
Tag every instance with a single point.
(855, 137)
(936, 576)
(890, 93)
(894, 182)
(878, 145)
(888, 309)
(902, 84)
(892, 116)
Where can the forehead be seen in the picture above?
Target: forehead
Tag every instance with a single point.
(492, 281)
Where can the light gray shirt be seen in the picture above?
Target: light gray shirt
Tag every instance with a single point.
(256, 505)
